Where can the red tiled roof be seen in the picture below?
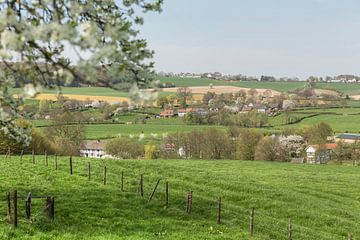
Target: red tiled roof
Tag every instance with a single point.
(324, 146)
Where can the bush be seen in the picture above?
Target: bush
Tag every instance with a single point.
(270, 149)
(151, 151)
(208, 144)
(124, 148)
(245, 148)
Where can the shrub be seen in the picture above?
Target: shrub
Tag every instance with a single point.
(270, 149)
(124, 148)
(151, 151)
(245, 148)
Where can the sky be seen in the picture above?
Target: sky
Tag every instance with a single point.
(292, 38)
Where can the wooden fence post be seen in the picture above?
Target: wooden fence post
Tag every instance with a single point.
(251, 222)
(289, 230)
(122, 181)
(56, 162)
(105, 175)
(33, 156)
(153, 192)
(28, 205)
(89, 171)
(49, 208)
(21, 155)
(70, 165)
(219, 211)
(52, 208)
(46, 159)
(141, 185)
(8, 208)
(166, 194)
(15, 209)
(189, 202)
(8, 154)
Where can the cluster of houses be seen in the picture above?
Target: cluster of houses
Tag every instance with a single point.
(270, 109)
(168, 113)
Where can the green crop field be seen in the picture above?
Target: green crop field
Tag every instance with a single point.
(349, 88)
(322, 200)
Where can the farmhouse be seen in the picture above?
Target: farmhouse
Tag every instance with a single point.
(348, 138)
(320, 153)
(167, 113)
(183, 112)
(93, 149)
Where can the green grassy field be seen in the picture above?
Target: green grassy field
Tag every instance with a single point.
(322, 201)
(350, 88)
(340, 119)
(96, 131)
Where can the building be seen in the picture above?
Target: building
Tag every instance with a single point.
(93, 149)
(167, 113)
(348, 138)
(319, 153)
(183, 112)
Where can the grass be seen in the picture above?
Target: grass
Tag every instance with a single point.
(349, 88)
(340, 119)
(321, 200)
(96, 131)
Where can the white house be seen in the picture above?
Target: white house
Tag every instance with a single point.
(319, 153)
(93, 149)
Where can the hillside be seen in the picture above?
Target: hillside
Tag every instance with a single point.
(321, 200)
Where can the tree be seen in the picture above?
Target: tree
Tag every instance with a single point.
(124, 148)
(318, 134)
(248, 139)
(163, 101)
(270, 149)
(207, 97)
(66, 136)
(184, 95)
(102, 34)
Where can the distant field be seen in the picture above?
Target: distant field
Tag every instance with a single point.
(340, 119)
(192, 82)
(322, 200)
(156, 128)
(349, 88)
(95, 131)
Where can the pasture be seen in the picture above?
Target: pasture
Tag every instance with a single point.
(340, 119)
(322, 200)
(348, 88)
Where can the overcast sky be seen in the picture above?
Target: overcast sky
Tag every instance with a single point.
(256, 37)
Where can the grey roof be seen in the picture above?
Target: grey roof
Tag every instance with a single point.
(93, 145)
(350, 136)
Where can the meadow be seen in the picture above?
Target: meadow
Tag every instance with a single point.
(340, 119)
(322, 200)
(349, 88)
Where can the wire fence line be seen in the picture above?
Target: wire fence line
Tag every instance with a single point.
(200, 205)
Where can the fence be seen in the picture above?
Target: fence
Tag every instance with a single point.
(284, 227)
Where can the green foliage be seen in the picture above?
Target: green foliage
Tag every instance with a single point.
(124, 148)
(270, 149)
(208, 144)
(246, 144)
(151, 151)
(251, 119)
(318, 134)
(66, 135)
